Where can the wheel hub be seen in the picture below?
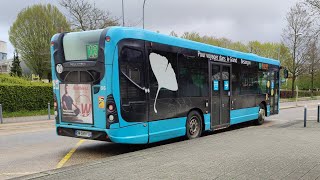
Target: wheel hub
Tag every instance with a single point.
(193, 126)
(262, 113)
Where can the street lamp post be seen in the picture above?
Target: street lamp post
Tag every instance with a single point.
(144, 2)
(122, 14)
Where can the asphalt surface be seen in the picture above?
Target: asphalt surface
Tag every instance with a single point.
(281, 148)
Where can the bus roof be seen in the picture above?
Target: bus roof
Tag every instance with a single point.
(127, 32)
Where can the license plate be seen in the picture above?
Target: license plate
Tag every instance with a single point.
(86, 134)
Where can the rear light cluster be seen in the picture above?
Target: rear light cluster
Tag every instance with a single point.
(111, 111)
(55, 107)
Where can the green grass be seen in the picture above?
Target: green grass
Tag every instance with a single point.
(23, 113)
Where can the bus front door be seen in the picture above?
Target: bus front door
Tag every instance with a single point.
(220, 95)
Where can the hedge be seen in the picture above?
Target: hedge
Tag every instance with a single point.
(16, 97)
(288, 94)
(5, 78)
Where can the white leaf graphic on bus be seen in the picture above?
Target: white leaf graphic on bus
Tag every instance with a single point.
(164, 74)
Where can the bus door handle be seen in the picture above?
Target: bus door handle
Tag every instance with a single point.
(146, 90)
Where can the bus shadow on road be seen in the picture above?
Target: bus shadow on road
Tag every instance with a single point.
(106, 149)
(230, 128)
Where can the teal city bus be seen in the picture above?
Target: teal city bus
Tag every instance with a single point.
(128, 85)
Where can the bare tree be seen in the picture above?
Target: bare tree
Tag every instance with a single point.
(314, 4)
(172, 33)
(296, 36)
(313, 60)
(86, 16)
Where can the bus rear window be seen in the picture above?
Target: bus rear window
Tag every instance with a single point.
(81, 46)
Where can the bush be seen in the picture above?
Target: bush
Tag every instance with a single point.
(17, 97)
(288, 94)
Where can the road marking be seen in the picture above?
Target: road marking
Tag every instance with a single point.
(68, 156)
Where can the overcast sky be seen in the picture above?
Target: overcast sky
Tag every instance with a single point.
(244, 20)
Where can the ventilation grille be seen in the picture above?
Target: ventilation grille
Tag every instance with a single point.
(81, 76)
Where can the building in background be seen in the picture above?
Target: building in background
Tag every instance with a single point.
(3, 50)
(4, 62)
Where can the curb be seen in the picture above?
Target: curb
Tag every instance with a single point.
(289, 107)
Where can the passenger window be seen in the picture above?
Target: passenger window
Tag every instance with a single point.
(193, 76)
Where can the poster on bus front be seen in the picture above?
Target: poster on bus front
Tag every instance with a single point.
(76, 103)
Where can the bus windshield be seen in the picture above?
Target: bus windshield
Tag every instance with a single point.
(81, 46)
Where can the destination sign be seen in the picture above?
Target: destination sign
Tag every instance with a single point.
(263, 66)
(221, 58)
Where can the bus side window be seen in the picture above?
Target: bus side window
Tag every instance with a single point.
(193, 76)
(249, 79)
(235, 79)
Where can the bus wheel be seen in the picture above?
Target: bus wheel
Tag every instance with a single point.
(262, 115)
(194, 125)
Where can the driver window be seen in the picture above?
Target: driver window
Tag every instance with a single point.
(131, 71)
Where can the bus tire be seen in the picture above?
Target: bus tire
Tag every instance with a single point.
(261, 115)
(194, 125)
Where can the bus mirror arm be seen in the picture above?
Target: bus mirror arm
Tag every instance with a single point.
(146, 90)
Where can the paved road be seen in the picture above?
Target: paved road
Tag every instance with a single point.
(244, 152)
(30, 147)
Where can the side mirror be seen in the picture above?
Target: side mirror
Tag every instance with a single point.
(285, 73)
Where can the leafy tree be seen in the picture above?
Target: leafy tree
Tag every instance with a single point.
(193, 36)
(15, 69)
(239, 46)
(86, 16)
(270, 50)
(31, 32)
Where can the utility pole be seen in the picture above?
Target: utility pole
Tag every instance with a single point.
(144, 2)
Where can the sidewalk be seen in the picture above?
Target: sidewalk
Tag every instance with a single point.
(26, 119)
(299, 103)
(300, 99)
(26, 127)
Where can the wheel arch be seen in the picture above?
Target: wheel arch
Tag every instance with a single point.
(201, 114)
(265, 106)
